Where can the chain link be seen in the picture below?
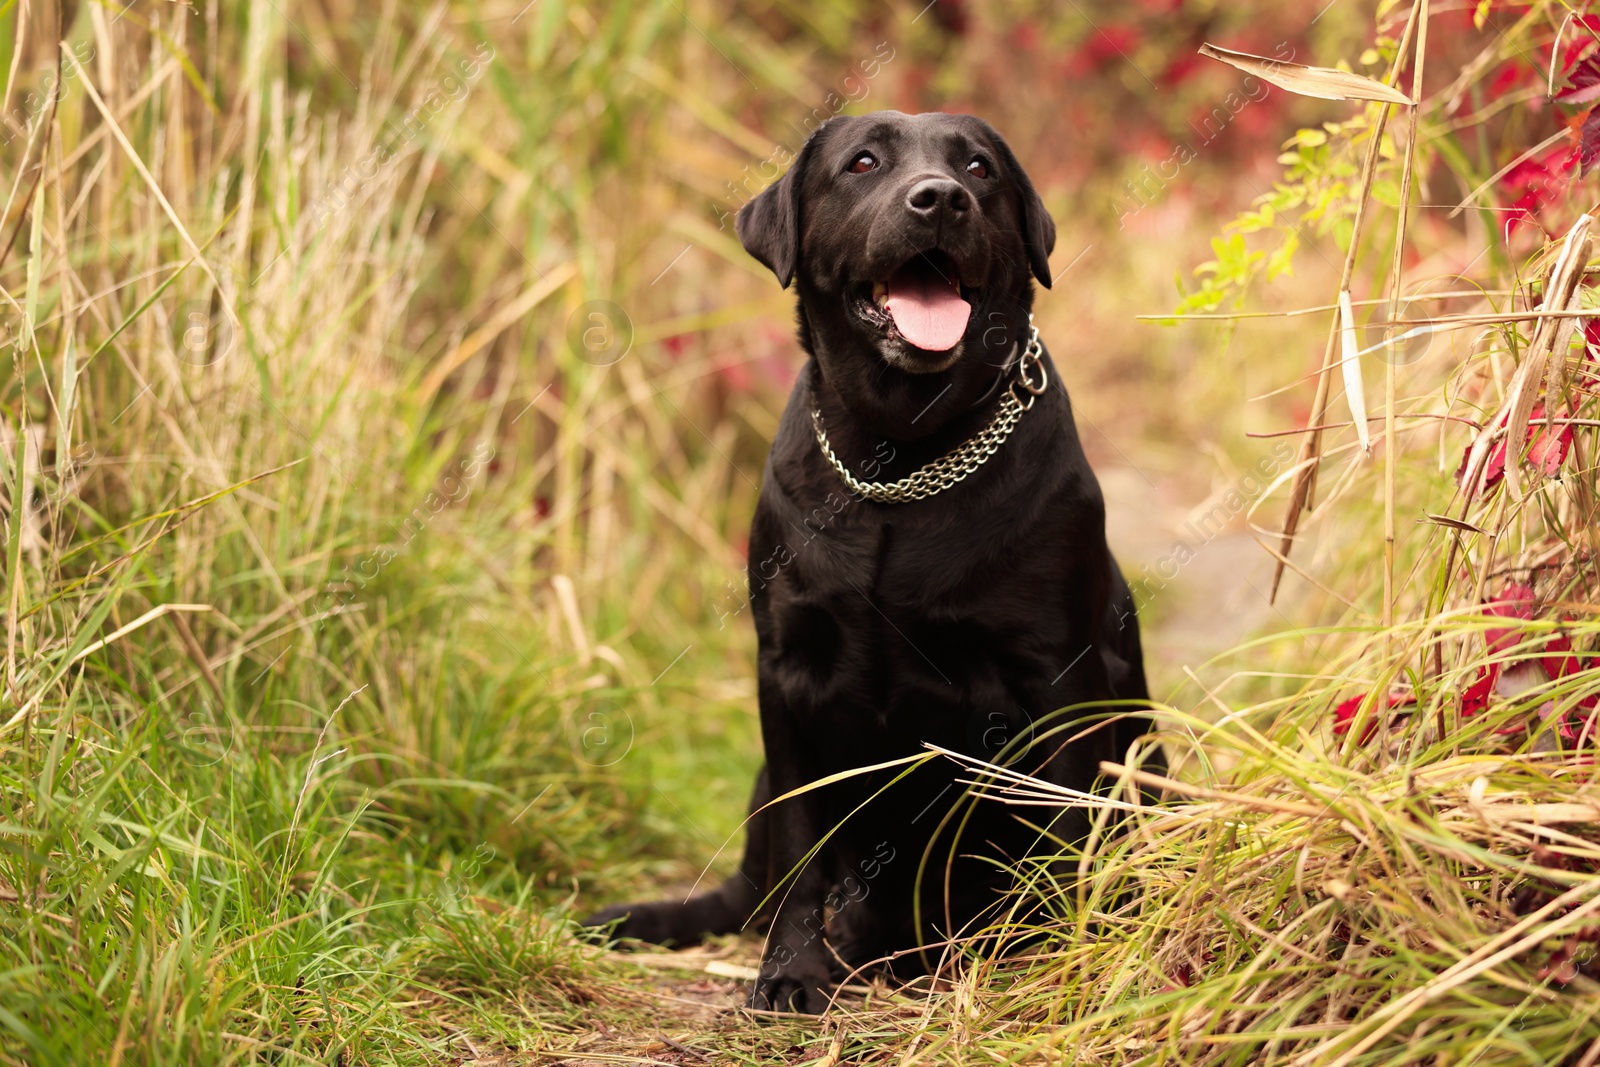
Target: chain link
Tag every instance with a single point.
(953, 467)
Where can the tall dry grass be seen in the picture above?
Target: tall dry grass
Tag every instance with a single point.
(338, 584)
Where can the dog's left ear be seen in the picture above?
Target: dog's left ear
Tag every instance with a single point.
(769, 225)
(1038, 228)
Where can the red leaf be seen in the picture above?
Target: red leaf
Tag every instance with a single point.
(1494, 468)
(1578, 41)
(1179, 70)
(1547, 454)
(1528, 173)
(1561, 966)
(1516, 602)
(1475, 698)
(1575, 727)
(1567, 664)
(1345, 714)
(1589, 143)
(1546, 457)
(1555, 656)
(1110, 43)
(1539, 181)
(1506, 80)
(1585, 88)
(1522, 209)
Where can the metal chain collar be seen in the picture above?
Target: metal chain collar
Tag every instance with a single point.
(953, 467)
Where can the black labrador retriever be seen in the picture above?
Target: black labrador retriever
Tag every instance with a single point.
(928, 562)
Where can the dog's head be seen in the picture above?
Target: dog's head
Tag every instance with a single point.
(910, 239)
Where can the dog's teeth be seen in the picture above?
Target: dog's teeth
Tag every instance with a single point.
(880, 293)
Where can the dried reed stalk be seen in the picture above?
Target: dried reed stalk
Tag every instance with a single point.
(1301, 496)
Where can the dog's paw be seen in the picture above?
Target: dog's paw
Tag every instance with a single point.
(791, 990)
(624, 922)
(596, 928)
(658, 923)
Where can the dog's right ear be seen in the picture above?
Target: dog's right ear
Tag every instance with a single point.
(769, 225)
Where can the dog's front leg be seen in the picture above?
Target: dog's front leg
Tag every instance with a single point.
(794, 967)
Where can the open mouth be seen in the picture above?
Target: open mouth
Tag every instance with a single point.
(923, 301)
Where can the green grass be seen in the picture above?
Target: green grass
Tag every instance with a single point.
(338, 812)
(361, 628)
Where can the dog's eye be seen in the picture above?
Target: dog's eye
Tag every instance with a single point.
(863, 163)
(978, 168)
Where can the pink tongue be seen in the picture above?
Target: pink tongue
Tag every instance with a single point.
(928, 312)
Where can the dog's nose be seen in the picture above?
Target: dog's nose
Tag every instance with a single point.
(934, 197)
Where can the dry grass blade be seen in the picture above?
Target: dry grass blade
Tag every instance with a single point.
(476, 341)
(1226, 796)
(149, 179)
(1497, 951)
(1300, 496)
(1549, 342)
(1355, 392)
(1324, 83)
(94, 646)
(1391, 440)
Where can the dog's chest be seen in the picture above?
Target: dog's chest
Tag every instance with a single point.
(936, 624)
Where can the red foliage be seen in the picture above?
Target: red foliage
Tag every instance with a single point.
(735, 374)
(1107, 44)
(1475, 698)
(1515, 603)
(1584, 77)
(951, 17)
(1585, 87)
(1545, 454)
(1535, 183)
(1344, 716)
(1506, 79)
(1579, 39)
(1554, 657)
(1179, 70)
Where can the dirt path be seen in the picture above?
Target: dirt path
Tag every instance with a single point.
(1215, 598)
(676, 1008)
